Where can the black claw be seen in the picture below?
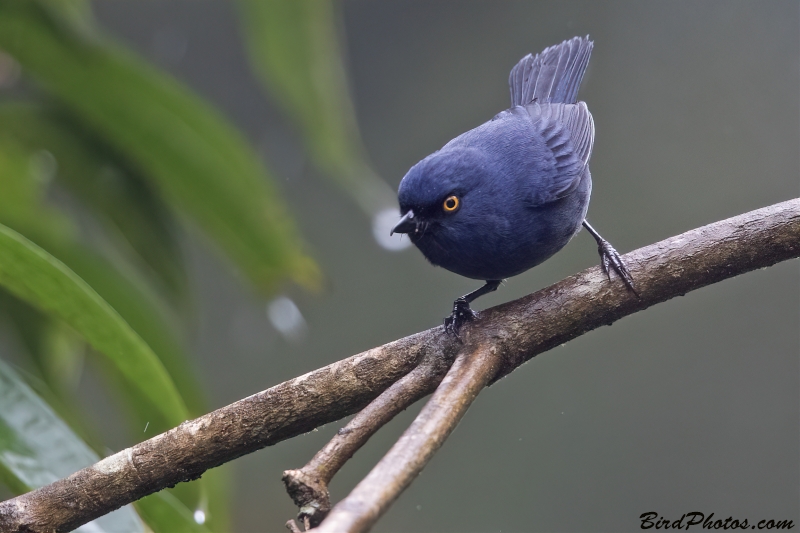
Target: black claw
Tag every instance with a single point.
(462, 313)
(609, 256)
(604, 263)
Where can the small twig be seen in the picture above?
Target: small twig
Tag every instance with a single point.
(308, 486)
(519, 330)
(470, 373)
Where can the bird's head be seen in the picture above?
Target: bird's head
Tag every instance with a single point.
(439, 193)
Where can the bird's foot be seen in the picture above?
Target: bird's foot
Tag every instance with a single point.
(462, 313)
(609, 257)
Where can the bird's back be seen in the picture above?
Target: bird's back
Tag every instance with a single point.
(541, 146)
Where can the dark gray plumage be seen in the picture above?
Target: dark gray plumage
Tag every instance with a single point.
(507, 195)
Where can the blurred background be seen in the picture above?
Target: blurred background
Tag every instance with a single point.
(222, 175)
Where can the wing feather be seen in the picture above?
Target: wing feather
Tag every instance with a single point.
(552, 76)
(568, 134)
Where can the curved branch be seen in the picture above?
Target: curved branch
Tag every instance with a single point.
(517, 330)
(470, 373)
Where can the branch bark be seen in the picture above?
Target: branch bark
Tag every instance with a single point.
(470, 373)
(308, 486)
(517, 331)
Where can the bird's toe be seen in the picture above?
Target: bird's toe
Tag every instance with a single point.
(611, 258)
(462, 313)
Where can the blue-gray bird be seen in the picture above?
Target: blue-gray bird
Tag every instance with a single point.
(505, 196)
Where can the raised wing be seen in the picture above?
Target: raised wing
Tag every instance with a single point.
(568, 134)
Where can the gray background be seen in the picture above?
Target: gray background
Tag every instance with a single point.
(689, 406)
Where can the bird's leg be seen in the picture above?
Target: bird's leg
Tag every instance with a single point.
(610, 257)
(462, 312)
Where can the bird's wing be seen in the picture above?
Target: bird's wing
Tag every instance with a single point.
(567, 131)
(552, 76)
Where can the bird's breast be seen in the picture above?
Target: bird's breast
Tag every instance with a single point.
(504, 237)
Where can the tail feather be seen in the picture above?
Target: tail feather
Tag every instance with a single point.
(552, 76)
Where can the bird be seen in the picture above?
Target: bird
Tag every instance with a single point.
(507, 195)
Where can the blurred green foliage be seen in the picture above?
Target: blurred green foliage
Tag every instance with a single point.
(100, 143)
(294, 49)
(194, 159)
(35, 276)
(37, 448)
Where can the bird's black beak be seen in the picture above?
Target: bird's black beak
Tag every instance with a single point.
(406, 225)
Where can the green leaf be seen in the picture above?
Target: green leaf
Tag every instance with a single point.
(24, 209)
(293, 47)
(37, 277)
(57, 355)
(142, 312)
(196, 160)
(37, 448)
(103, 181)
(22, 190)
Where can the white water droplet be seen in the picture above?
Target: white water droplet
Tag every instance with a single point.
(287, 318)
(382, 224)
(200, 517)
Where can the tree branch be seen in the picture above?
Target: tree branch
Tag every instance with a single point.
(517, 331)
(308, 486)
(470, 373)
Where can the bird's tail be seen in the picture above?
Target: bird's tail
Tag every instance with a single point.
(552, 76)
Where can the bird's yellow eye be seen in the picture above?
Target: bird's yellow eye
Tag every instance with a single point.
(451, 204)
